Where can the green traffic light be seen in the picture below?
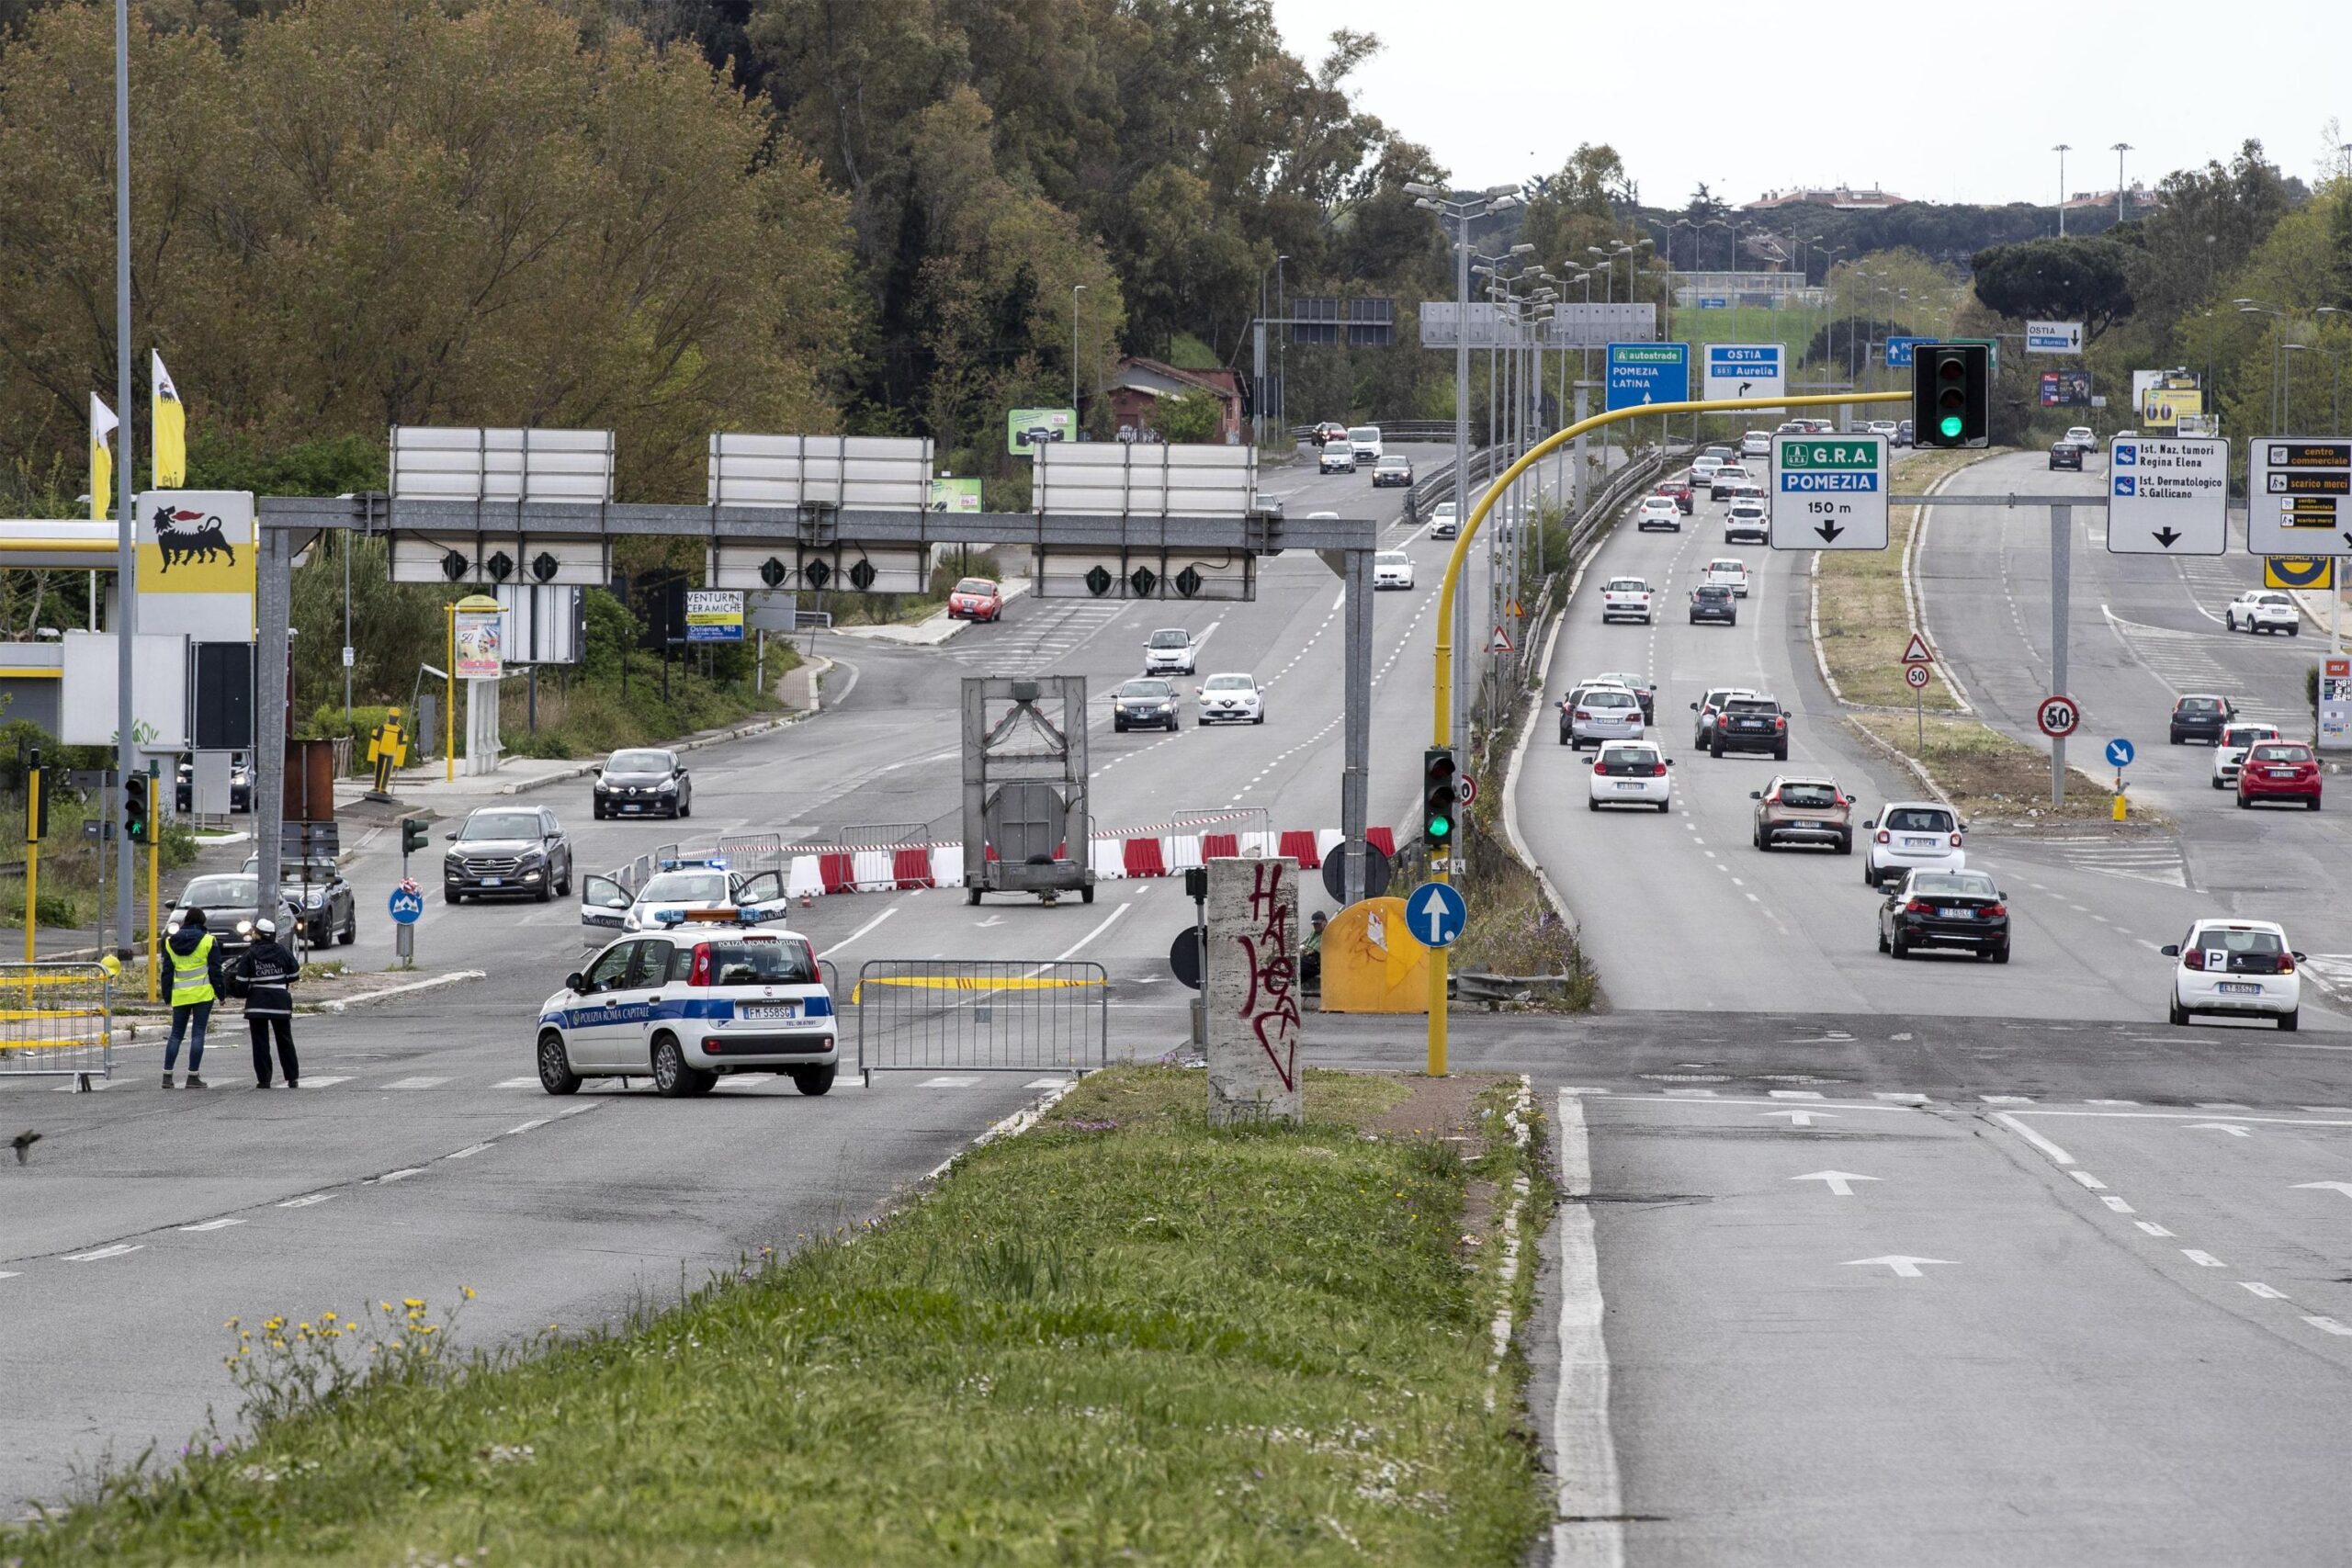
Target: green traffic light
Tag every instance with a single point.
(1950, 426)
(1439, 827)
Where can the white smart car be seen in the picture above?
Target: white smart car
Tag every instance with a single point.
(1232, 699)
(1726, 572)
(1625, 599)
(2244, 967)
(2229, 751)
(1391, 568)
(1913, 835)
(2263, 610)
(1631, 772)
(704, 997)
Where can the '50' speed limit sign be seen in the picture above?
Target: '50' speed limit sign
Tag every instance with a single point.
(2058, 716)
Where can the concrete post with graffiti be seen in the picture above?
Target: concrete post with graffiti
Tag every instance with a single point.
(1252, 989)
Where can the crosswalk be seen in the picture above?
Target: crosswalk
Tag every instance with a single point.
(2157, 858)
(434, 1085)
(2185, 661)
(1037, 641)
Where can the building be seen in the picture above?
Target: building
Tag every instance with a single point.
(1843, 197)
(1137, 384)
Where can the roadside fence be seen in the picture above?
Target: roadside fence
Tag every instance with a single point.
(57, 1020)
(949, 1015)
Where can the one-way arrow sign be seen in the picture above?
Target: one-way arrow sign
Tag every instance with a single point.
(1905, 1268)
(1840, 1182)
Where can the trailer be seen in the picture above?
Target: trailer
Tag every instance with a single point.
(1026, 828)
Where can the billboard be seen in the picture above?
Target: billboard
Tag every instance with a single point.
(196, 563)
(714, 614)
(956, 495)
(1025, 428)
(477, 625)
(2163, 407)
(2066, 388)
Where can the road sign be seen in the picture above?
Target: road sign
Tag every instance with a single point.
(2335, 704)
(2298, 496)
(1898, 351)
(714, 614)
(1435, 914)
(1376, 874)
(2057, 717)
(1916, 677)
(2299, 572)
(407, 904)
(2119, 753)
(1185, 956)
(1500, 642)
(2054, 337)
(1751, 372)
(1517, 613)
(1465, 790)
(1642, 372)
(2167, 495)
(1829, 492)
(1916, 652)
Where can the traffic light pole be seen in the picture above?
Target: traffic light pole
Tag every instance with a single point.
(1442, 704)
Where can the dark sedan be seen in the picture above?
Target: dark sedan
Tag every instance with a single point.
(2066, 454)
(2200, 715)
(507, 850)
(329, 907)
(1946, 908)
(230, 905)
(1713, 603)
(1750, 724)
(642, 782)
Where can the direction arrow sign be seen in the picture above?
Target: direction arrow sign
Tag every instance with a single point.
(1804, 1118)
(407, 905)
(2298, 496)
(1435, 914)
(2054, 337)
(1898, 351)
(1915, 651)
(1753, 371)
(2119, 753)
(2167, 495)
(1829, 492)
(1642, 372)
(1905, 1268)
(1838, 1181)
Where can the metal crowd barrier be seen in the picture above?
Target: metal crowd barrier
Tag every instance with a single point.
(981, 1016)
(56, 1020)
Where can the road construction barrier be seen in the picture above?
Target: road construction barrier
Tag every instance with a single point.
(57, 1020)
(945, 1015)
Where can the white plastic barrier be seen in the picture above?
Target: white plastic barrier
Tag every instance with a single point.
(1326, 839)
(947, 864)
(1110, 858)
(873, 871)
(802, 879)
(1260, 846)
(1181, 851)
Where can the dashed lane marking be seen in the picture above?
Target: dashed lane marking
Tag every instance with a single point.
(307, 1200)
(117, 1250)
(416, 1083)
(212, 1226)
(2203, 1259)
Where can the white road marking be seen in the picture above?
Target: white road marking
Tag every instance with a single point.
(517, 1083)
(212, 1226)
(2260, 1289)
(2151, 1227)
(2220, 1105)
(2057, 1156)
(1903, 1098)
(10, 1274)
(1905, 1268)
(417, 1083)
(117, 1250)
(576, 1110)
(307, 1200)
(1589, 1530)
(2006, 1099)
(2203, 1259)
(2118, 1204)
(467, 1152)
(2234, 1131)
(1795, 1093)
(391, 1176)
(325, 1083)
(1839, 1182)
(947, 1083)
(534, 1121)
(1046, 1083)
(2087, 1179)
(1097, 930)
(2325, 1324)
(2110, 1102)
(862, 930)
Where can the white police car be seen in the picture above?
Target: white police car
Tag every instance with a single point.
(705, 996)
(686, 882)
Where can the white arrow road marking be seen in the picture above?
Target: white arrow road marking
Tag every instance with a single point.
(2234, 1131)
(1839, 1181)
(2342, 1187)
(1905, 1268)
(1804, 1118)
(117, 1250)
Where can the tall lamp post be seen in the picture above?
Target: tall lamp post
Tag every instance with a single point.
(1260, 365)
(1075, 291)
(126, 548)
(2061, 150)
(2119, 149)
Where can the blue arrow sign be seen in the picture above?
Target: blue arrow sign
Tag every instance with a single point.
(2119, 753)
(1898, 351)
(407, 908)
(1642, 372)
(1436, 914)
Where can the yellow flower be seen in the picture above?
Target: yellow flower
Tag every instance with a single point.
(411, 1301)
(468, 1289)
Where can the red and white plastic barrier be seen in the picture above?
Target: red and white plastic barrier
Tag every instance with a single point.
(1157, 850)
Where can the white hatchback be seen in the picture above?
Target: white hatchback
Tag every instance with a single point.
(1391, 568)
(1913, 835)
(2229, 751)
(2235, 966)
(1232, 699)
(1631, 772)
(1658, 512)
(2263, 610)
(1445, 523)
(1755, 443)
(1726, 572)
(1746, 523)
(1603, 714)
(1625, 599)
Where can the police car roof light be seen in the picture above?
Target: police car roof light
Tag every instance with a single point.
(689, 862)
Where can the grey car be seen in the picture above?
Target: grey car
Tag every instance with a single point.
(642, 782)
(330, 909)
(1146, 702)
(230, 906)
(507, 850)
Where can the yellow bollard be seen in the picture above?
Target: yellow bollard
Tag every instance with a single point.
(2119, 806)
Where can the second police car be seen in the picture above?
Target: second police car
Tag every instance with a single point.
(707, 996)
(686, 882)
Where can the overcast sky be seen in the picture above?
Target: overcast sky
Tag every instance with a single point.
(1744, 97)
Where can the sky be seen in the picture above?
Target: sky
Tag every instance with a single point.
(1751, 97)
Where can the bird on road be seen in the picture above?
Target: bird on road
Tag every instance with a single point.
(22, 1142)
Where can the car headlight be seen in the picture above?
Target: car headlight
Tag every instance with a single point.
(316, 898)
(667, 786)
(245, 928)
(531, 855)
(172, 925)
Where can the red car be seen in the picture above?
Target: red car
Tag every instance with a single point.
(1676, 490)
(2280, 769)
(976, 599)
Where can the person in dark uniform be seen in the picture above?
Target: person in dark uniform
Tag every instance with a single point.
(262, 974)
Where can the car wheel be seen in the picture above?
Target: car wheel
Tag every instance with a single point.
(2001, 953)
(1591, 804)
(972, 896)
(2176, 737)
(1117, 728)
(595, 812)
(1174, 725)
(2295, 630)
(556, 1076)
(814, 1081)
(451, 896)
(2244, 804)
(1897, 946)
(350, 929)
(1260, 719)
(1664, 806)
(1845, 845)
(1715, 751)
(2288, 1022)
(1869, 875)
(545, 891)
(2220, 783)
(2174, 1012)
(672, 1079)
(564, 886)
(1881, 939)
(1779, 753)
(686, 806)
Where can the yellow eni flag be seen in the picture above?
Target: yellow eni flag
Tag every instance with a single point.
(102, 426)
(168, 434)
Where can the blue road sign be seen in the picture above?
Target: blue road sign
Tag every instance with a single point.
(1435, 914)
(408, 906)
(1898, 351)
(1712, 303)
(1642, 372)
(2119, 753)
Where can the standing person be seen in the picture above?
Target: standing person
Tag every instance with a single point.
(194, 957)
(263, 973)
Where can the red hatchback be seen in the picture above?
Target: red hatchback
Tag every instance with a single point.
(2280, 769)
(976, 599)
(1676, 490)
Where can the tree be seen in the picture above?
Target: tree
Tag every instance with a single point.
(2059, 280)
(2206, 223)
(1188, 417)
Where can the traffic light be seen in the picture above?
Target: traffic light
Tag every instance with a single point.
(1951, 394)
(134, 808)
(413, 835)
(1437, 798)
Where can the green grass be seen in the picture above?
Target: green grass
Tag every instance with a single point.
(1864, 620)
(1120, 1337)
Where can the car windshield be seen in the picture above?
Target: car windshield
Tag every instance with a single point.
(1364, 433)
(2247, 734)
(1715, 590)
(2231, 940)
(1628, 585)
(687, 887)
(1171, 639)
(1917, 819)
(2282, 754)
(1231, 684)
(1392, 558)
(1753, 704)
(2272, 599)
(760, 960)
(1144, 689)
(221, 892)
(1445, 508)
(1628, 756)
(975, 585)
(1809, 796)
(638, 763)
(1953, 884)
(2200, 705)
(1717, 453)
(1393, 465)
(1608, 700)
(500, 825)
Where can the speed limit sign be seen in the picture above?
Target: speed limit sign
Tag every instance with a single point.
(1916, 676)
(2058, 716)
(1465, 790)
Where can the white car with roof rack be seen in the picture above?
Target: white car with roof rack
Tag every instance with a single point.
(681, 883)
(705, 997)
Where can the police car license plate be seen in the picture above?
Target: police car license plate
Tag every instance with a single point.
(766, 1013)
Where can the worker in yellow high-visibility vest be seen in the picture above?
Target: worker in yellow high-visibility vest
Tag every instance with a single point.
(194, 955)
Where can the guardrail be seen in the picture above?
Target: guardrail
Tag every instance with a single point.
(981, 1016)
(57, 1020)
(1395, 430)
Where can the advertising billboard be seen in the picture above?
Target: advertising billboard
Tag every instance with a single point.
(1026, 428)
(2066, 388)
(714, 614)
(481, 638)
(956, 495)
(2163, 407)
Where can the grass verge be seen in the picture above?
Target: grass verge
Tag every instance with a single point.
(1863, 616)
(1994, 778)
(1121, 1336)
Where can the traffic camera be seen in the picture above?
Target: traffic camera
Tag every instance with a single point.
(1951, 394)
(1437, 798)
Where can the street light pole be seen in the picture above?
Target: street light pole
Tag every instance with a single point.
(2119, 149)
(125, 547)
(1075, 291)
(2061, 150)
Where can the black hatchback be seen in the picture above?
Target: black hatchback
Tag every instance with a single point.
(2201, 716)
(1946, 908)
(2066, 454)
(1713, 603)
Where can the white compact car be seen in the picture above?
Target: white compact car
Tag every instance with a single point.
(1658, 512)
(1337, 458)
(2235, 966)
(1391, 568)
(1232, 699)
(1755, 443)
(2263, 610)
(704, 997)
(1625, 599)
(1169, 652)
(1445, 523)
(1602, 714)
(1726, 572)
(1746, 523)
(2231, 746)
(1631, 773)
(1913, 835)
(689, 883)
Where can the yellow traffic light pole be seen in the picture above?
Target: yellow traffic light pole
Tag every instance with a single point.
(1442, 707)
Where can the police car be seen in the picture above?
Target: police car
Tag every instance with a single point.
(702, 882)
(706, 996)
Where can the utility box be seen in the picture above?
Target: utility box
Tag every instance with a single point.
(1026, 828)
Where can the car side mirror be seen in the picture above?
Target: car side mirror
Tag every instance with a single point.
(1755, 795)
(1963, 826)
(1694, 708)
(575, 982)
(451, 837)
(2170, 950)
(1870, 821)
(2298, 958)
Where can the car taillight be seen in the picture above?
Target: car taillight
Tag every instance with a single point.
(700, 974)
(1883, 838)
(1583, 714)
(2285, 964)
(1917, 907)
(1598, 766)
(1780, 723)
(1955, 840)
(1997, 909)
(2193, 959)
(1657, 770)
